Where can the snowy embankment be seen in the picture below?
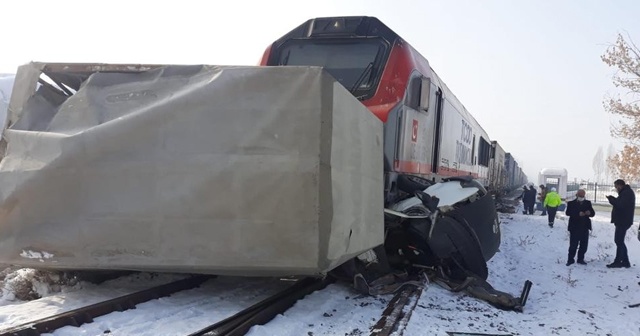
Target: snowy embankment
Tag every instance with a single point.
(181, 313)
(59, 295)
(575, 300)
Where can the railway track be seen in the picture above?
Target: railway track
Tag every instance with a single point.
(398, 312)
(264, 311)
(237, 324)
(393, 319)
(86, 314)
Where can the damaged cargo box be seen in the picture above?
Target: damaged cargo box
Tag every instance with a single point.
(246, 171)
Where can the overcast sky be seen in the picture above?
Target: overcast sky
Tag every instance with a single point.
(529, 71)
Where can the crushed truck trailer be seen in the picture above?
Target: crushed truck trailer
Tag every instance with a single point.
(170, 169)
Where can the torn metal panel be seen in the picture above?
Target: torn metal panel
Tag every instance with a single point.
(69, 74)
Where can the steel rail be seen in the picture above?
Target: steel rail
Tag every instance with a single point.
(86, 314)
(265, 310)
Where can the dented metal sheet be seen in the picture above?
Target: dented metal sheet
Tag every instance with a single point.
(224, 170)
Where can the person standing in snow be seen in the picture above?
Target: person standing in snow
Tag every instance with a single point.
(552, 201)
(622, 213)
(543, 194)
(528, 199)
(532, 197)
(523, 197)
(580, 212)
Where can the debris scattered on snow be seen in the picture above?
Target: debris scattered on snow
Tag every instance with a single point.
(576, 300)
(27, 284)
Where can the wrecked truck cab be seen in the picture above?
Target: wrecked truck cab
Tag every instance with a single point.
(464, 200)
(464, 228)
(446, 234)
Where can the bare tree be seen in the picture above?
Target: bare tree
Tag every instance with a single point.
(598, 164)
(608, 173)
(624, 56)
(626, 164)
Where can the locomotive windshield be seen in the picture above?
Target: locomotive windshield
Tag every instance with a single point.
(355, 63)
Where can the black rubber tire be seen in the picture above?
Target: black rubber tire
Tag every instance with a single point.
(455, 240)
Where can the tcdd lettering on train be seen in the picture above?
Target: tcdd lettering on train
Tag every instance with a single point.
(463, 153)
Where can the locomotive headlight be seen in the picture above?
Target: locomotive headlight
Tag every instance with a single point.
(341, 25)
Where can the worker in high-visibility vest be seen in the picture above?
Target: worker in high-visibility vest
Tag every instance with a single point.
(552, 201)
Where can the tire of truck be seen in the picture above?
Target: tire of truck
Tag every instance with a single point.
(410, 183)
(453, 239)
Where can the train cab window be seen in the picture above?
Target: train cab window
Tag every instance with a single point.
(355, 63)
(418, 93)
(413, 94)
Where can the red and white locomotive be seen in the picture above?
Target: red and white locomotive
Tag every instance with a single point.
(428, 133)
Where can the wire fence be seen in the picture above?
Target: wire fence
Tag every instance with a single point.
(597, 193)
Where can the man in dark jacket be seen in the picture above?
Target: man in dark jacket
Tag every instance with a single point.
(622, 213)
(543, 195)
(580, 212)
(528, 199)
(532, 198)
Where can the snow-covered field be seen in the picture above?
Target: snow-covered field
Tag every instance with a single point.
(575, 300)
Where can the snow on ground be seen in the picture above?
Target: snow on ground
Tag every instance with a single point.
(28, 284)
(184, 312)
(14, 312)
(575, 300)
(337, 310)
(178, 314)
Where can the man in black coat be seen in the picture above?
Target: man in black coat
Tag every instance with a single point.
(532, 198)
(580, 212)
(622, 213)
(543, 194)
(528, 199)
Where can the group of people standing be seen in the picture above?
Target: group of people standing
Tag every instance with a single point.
(550, 201)
(580, 211)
